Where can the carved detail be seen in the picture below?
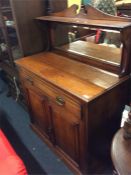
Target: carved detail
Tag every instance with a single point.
(69, 12)
(93, 17)
(90, 13)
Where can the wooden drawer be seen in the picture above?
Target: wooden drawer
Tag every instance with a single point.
(57, 97)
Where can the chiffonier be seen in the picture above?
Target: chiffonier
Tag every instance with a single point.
(76, 90)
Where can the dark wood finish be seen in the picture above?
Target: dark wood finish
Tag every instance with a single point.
(40, 115)
(70, 12)
(68, 140)
(116, 25)
(89, 13)
(92, 18)
(125, 67)
(84, 72)
(79, 105)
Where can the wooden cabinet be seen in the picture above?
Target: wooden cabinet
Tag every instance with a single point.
(54, 123)
(55, 114)
(72, 114)
(76, 92)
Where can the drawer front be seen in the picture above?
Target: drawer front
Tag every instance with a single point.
(58, 98)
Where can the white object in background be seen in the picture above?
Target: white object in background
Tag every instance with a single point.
(17, 89)
(125, 115)
(10, 23)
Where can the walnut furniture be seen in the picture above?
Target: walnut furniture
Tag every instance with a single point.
(76, 104)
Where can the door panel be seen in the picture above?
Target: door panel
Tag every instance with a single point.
(39, 110)
(54, 123)
(66, 135)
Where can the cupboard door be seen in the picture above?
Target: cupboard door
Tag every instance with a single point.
(66, 135)
(39, 109)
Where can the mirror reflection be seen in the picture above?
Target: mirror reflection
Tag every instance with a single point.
(92, 43)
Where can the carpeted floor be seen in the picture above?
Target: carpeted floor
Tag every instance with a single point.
(38, 158)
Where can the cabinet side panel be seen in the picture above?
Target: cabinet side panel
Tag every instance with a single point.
(104, 119)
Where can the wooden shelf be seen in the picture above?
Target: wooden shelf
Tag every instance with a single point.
(93, 51)
(117, 25)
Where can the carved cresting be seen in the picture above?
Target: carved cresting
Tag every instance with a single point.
(127, 127)
(70, 12)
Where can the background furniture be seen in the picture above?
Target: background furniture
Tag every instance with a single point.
(121, 154)
(124, 6)
(121, 149)
(20, 36)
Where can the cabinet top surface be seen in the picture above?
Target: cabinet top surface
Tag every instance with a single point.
(118, 25)
(81, 80)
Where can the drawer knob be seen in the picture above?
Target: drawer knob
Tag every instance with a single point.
(60, 101)
(30, 81)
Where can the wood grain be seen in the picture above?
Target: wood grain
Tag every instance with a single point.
(58, 70)
(118, 25)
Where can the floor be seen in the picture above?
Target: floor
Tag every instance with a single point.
(38, 158)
